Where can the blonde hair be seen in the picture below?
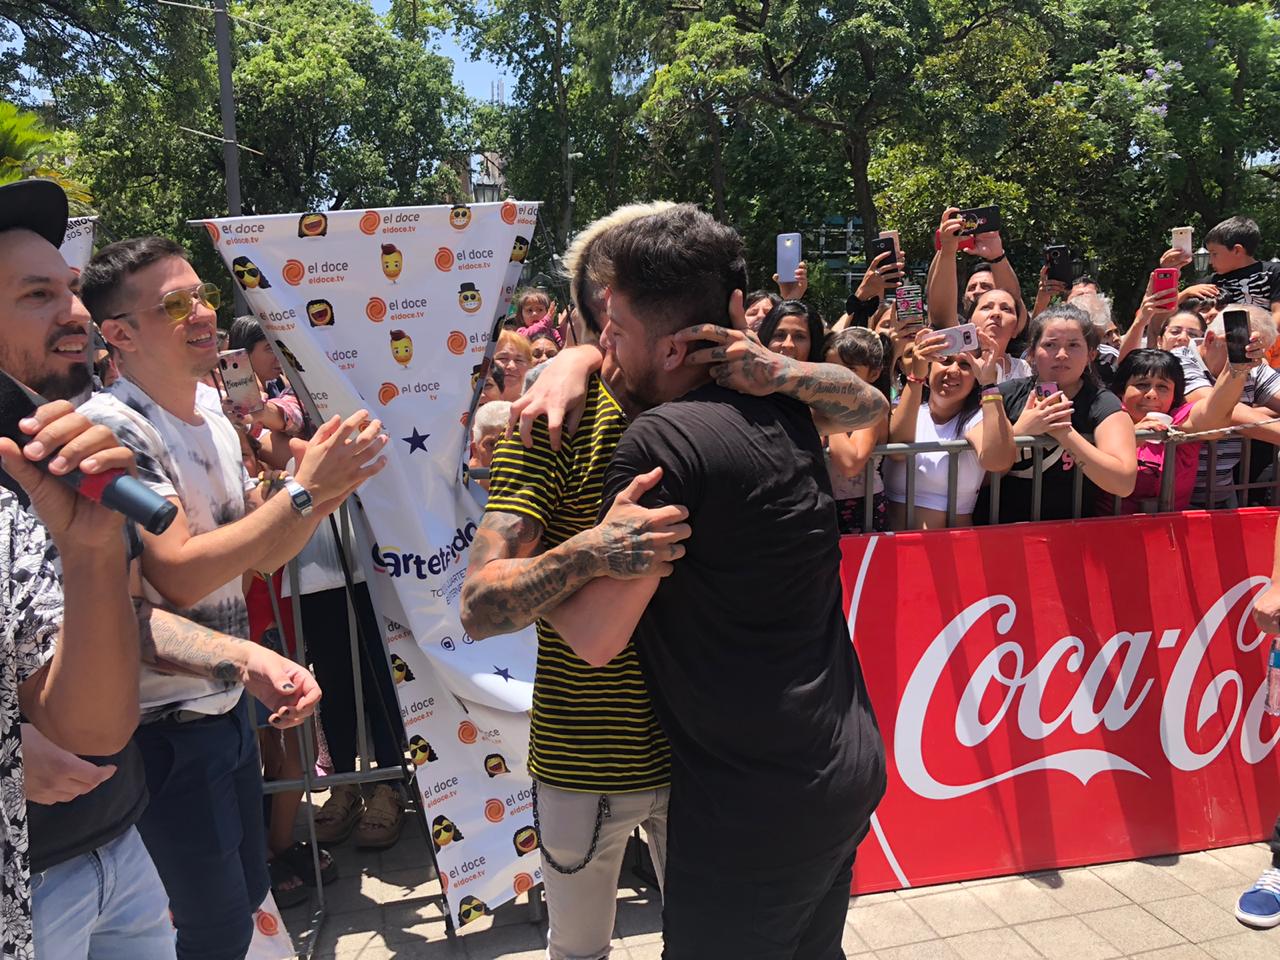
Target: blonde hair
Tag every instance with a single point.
(574, 263)
(517, 342)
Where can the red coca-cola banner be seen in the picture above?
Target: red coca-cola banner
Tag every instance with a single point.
(1064, 693)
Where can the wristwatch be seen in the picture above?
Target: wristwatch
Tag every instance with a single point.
(298, 496)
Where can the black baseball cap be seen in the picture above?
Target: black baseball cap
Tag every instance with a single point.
(36, 205)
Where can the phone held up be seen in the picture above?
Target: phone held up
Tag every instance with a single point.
(1180, 239)
(883, 244)
(788, 257)
(974, 220)
(909, 301)
(1057, 258)
(1164, 279)
(960, 339)
(238, 382)
(1236, 324)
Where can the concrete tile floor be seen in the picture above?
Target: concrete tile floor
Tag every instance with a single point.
(1166, 908)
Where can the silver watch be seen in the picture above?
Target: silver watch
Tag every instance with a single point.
(298, 496)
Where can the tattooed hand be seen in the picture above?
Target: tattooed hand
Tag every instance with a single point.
(738, 360)
(634, 541)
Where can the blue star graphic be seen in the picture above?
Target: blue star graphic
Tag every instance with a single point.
(416, 442)
(502, 672)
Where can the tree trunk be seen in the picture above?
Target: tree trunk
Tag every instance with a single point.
(857, 149)
(562, 127)
(717, 163)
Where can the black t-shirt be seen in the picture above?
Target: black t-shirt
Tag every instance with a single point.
(1257, 284)
(1090, 407)
(776, 755)
(60, 831)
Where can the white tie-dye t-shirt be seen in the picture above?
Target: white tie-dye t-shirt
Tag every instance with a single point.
(199, 464)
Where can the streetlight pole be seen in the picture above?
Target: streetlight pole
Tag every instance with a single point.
(227, 103)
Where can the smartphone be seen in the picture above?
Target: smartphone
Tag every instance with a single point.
(1236, 323)
(961, 339)
(1058, 258)
(1046, 389)
(909, 300)
(1164, 279)
(964, 243)
(238, 381)
(897, 247)
(881, 245)
(980, 220)
(788, 256)
(1180, 239)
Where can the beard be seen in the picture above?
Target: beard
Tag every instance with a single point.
(52, 384)
(636, 390)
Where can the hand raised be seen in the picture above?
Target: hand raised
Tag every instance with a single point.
(738, 360)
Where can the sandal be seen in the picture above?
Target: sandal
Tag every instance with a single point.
(299, 858)
(340, 814)
(383, 819)
(287, 888)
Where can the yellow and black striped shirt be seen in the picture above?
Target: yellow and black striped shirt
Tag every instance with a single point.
(593, 728)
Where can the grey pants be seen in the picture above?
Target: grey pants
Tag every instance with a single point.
(581, 905)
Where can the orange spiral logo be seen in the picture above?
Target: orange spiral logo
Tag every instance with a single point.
(467, 732)
(376, 309)
(213, 232)
(370, 222)
(508, 212)
(293, 272)
(494, 811)
(456, 342)
(387, 392)
(268, 923)
(444, 259)
(523, 883)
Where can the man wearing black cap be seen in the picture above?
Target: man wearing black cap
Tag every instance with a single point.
(69, 666)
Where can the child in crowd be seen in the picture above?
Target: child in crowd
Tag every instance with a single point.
(869, 355)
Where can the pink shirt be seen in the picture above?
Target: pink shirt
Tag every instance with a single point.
(1151, 467)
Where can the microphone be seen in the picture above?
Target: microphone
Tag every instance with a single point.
(114, 489)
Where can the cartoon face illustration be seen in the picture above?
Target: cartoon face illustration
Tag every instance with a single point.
(469, 297)
(313, 225)
(320, 313)
(459, 216)
(494, 764)
(288, 355)
(248, 275)
(471, 908)
(392, 261)
(443, 832)
(400, 671)
(526, 840)
(421, 751)
(401, 347)
(520, 250)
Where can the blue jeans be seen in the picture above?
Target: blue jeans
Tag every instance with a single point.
(105, 905)
(204, 829)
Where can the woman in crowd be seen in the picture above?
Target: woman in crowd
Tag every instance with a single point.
(513, 355)
(963, 403)
(543, 347)
(758, 303)
(794, 329)
(1064, 400)
(1151, 385)
(998, 314)
(869, 355)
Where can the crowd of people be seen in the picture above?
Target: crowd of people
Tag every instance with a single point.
(149, 680)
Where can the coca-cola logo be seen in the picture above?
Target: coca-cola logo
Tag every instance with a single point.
(1010, 691)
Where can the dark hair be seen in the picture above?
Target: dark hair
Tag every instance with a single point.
(972, 400)
(115, 263)
(795, 308)
(755, 296)
(529, 293)
(859, 347)
(1085, 278)
(245, 334)
(1067, 311)
(1151, 363)
(677, 267)
(1236, 230)
(980, 267)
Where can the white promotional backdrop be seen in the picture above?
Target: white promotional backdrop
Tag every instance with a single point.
(77, 244)
(390, 310)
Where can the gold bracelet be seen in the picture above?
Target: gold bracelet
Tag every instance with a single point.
(993, 398)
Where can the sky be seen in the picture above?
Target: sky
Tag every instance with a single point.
(474, 76)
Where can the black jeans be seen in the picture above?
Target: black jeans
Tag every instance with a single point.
(792, 913)
(324, 625)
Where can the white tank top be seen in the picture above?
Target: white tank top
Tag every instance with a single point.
(931, 468)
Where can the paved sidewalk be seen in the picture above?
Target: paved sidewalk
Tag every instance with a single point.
(1166, 908)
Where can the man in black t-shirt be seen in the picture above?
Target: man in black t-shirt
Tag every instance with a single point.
(777, 762)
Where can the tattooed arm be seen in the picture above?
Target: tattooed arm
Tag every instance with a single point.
(508, 586)
(840, 401)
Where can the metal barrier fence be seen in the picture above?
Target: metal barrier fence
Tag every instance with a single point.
(1218, 495)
